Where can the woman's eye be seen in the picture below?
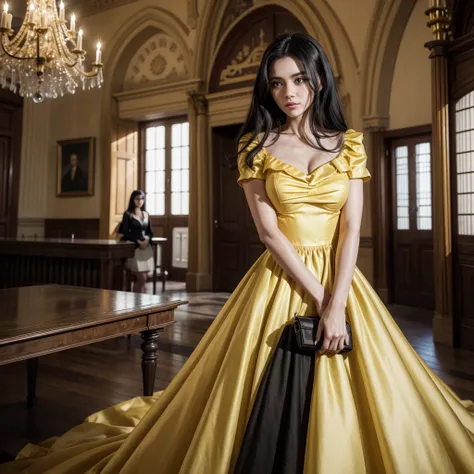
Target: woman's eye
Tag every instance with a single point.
(300, 80)
(275, 84)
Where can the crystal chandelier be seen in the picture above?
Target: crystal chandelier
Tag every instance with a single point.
(45, 58)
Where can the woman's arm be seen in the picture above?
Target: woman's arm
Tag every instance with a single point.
(127, 234)
(333, 321)
(149, 230)
(126, 228)
(148, 233)
(281, 249)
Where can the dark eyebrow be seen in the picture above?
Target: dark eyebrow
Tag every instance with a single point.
(293, 75)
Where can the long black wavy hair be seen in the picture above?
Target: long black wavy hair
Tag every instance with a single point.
(326, 118)
(131, 203)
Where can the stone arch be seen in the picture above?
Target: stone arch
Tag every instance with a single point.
(133, 33)
(321, 22)
(383, 42)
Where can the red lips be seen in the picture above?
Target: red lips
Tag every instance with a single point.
(291, 104)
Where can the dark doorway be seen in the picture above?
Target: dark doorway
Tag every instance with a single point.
(236, 242)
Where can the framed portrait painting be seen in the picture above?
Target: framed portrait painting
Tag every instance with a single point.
(76, 167)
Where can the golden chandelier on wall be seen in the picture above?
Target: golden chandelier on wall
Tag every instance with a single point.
(45, 58)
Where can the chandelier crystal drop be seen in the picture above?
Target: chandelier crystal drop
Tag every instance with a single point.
(45, 59)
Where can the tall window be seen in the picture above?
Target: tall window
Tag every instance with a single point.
(423, 186)
(465, 163)
(180, 168)
(167, 168)
(401, 166)
(164, 175)
(155, 170)
(413, 186)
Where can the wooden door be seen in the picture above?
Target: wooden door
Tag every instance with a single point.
(11, 109)
(123, 170)
(412, 239)
(236, 242)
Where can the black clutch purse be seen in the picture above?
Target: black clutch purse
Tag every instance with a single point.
(306, 328)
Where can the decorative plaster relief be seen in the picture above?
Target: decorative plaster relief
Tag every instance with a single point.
(89, 7)
(244, 65)
(158, 60)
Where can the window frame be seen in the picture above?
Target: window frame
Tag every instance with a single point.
(167, 123)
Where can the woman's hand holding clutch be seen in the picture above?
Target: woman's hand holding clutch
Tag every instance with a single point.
(332, 328)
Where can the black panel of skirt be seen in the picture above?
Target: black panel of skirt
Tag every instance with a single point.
(275, 437)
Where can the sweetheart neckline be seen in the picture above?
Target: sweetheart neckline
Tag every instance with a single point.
(307, 175)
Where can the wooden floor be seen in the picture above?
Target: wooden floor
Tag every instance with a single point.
(75, 383)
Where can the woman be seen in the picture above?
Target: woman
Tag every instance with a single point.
(136, 227)
(246, 401)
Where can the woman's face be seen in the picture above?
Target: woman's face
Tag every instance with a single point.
(139, 201)
(289, 86)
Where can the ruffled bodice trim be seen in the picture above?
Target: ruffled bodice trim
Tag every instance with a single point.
(351, 160)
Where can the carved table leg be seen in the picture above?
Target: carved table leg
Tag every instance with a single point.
(149, 358)
(32, 372)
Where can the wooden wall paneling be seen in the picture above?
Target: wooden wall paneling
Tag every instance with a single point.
(96, 264)
(64, 228)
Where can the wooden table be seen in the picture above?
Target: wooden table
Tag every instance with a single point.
(39, 320)
(93, 263)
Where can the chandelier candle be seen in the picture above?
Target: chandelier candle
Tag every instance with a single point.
(98, 54)
(73, 23)
(45, 59)
(32, 17)
(62, 13)
(79, 39)
(6, 17)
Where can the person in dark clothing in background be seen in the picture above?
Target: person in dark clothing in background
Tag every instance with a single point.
(136, 227)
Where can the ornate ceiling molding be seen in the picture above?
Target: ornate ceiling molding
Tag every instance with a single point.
(90, 7)
(193, 13)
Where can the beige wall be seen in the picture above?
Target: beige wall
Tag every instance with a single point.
(410, 100)
(355, 17)
(76, 116)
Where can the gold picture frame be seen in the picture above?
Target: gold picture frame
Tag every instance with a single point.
(75, 162)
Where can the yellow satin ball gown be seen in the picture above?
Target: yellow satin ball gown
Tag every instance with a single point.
(245, 402)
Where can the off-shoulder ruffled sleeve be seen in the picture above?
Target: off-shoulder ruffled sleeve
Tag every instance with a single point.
(258, 161)
(356, 156)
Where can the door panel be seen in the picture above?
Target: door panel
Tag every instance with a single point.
(11, 108)
(413, 282)
(236, 242)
